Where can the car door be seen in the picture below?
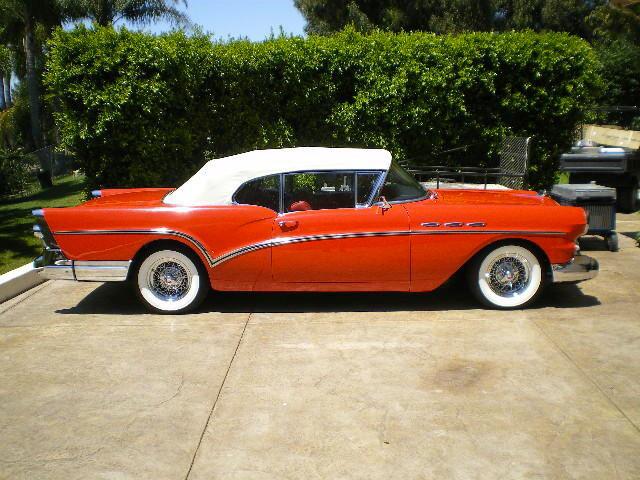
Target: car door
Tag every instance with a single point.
(328, 233)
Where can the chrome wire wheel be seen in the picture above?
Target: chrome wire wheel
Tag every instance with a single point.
(170, 281)
(509, 276)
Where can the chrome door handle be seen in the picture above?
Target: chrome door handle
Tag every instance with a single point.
(287, 224)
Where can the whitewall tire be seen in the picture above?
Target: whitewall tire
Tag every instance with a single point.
(507, 277)
(171, 281)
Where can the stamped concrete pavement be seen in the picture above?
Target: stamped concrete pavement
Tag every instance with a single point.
(326, 386)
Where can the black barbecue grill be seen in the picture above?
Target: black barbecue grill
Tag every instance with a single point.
(600, 204)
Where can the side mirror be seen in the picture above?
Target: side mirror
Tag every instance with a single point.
(384, 205)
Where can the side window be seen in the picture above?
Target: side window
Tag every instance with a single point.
(366, 182)
(401, 185)
(264, 191)
(318, 191)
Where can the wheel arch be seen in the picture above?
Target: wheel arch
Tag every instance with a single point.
(169, 244)
(524, 242)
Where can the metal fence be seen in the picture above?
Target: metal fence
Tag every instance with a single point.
(514, 161)
(58, 163)
(511, 171)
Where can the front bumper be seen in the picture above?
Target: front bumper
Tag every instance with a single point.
(55, 266)
(580, 268)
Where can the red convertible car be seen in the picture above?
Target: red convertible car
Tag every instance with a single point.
(313, 219)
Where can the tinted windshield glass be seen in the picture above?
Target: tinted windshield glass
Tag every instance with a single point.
(400, 185)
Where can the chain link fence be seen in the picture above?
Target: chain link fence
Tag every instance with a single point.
(514, 161)
(48, 159)
(511, 172)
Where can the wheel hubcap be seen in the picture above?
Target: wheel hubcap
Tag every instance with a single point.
(509, 275)
(169, 280)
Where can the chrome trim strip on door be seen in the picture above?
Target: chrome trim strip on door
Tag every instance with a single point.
(279, 241)
(154, 231)
(476, 224)
(454, 224)
(430, 224)
(276, 242)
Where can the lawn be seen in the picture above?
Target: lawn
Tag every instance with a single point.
(17, 243)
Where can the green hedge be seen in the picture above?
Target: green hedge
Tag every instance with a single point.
(148, 110)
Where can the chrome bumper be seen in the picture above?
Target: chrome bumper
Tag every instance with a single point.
(55, 266)
(580, 268)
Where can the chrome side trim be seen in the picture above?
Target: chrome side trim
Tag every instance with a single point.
(488, 232)
(580, 268)
(155, 231)
(275, 242)
(454, 224)
(55, 266)
(430, 224)
(101, 271)
(476, 224)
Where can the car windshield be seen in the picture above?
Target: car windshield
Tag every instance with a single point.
(400, 185)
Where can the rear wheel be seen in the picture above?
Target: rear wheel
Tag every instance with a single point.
(171, 281)
(506, 277)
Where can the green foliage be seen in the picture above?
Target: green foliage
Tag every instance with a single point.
(142, 110)
(14, 174)
(5, 60)
(15, 126)
(621, 71)
(327, 16)
(452, 16)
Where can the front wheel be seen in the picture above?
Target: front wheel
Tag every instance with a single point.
(169, 281)
(506, 277)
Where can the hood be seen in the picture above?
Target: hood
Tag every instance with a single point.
(492, 197)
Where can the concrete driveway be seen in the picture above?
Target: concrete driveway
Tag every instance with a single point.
(381, 386)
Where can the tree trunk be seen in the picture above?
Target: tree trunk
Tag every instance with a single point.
(3, 102)
(7, 89)
(32, 81)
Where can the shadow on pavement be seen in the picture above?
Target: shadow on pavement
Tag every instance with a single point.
(119, 299)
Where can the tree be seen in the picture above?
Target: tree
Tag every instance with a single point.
(107, 12)
(25, 16)
(326, 16)
(5, 70)
(585, 18)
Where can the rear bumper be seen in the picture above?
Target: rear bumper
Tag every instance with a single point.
(55, 266)
(580, 268)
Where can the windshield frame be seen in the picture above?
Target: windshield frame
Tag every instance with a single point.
(375, 200)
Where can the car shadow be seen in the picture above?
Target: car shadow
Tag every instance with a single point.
(593, 243)
(119, 299)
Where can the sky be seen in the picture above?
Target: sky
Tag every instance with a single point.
(254, 19)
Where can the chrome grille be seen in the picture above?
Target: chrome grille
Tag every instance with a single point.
(600, 216)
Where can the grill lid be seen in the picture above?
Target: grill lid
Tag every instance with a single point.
(583, 191)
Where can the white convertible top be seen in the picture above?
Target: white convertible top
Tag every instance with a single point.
(217, 180)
